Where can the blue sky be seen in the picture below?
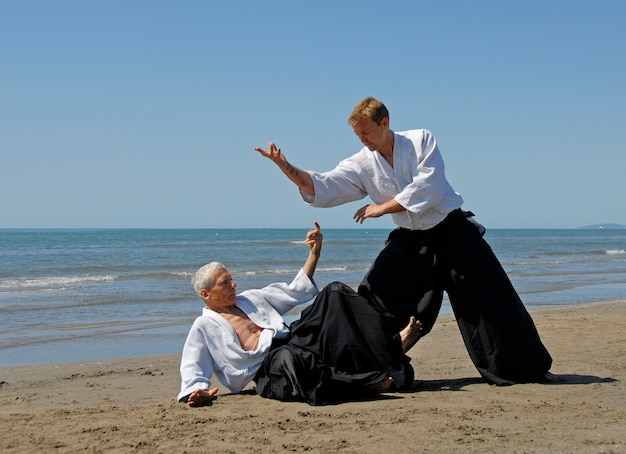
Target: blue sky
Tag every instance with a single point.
(146, 113)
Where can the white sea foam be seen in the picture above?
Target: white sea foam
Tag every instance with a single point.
(54, 281)
(536, 262)
(616, 251)
(286, 271)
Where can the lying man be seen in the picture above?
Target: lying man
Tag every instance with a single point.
(341, 348)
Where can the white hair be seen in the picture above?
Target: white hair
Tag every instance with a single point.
(204, 278)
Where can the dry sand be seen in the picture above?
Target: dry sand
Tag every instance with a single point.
(129, 405)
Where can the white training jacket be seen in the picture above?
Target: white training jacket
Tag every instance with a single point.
(417, 181)
(212, 345)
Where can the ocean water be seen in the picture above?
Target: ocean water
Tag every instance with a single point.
(79, 295)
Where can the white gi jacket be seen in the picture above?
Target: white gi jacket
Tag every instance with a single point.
(212, 345)
(416, 181)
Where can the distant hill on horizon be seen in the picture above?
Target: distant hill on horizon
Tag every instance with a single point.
(604, 226)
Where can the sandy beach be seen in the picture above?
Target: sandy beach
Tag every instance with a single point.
(128, 405)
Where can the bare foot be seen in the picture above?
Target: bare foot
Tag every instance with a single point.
(382, 386)
(410, 334)
(200, 397)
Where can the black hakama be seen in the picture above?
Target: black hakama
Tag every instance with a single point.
(414, 269)
(339, 347)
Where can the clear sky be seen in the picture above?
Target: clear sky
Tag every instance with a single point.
(146, 113)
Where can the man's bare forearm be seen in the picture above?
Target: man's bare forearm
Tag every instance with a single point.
(300, 177)
(310, 264)
(377, 210)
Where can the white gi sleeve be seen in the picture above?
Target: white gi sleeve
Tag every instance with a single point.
(196, 365)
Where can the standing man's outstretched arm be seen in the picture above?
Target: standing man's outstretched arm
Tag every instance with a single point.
(300, 177)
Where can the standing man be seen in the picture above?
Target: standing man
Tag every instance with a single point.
(434, 248)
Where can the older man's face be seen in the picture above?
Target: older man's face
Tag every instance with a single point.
(224, 291)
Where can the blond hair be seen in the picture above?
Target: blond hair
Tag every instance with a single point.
(369, 107)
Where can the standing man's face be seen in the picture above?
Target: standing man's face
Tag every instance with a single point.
(370, 134)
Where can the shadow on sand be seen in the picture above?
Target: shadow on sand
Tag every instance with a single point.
(457, 384)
